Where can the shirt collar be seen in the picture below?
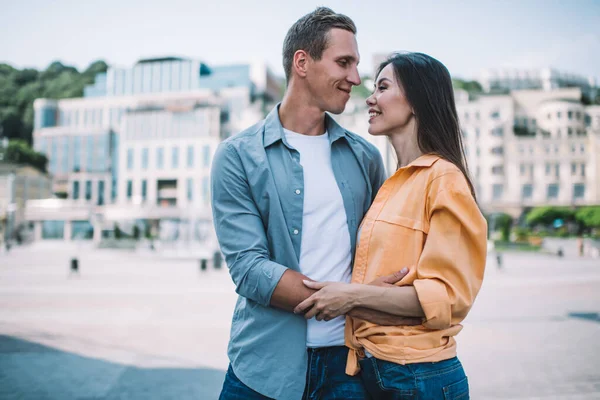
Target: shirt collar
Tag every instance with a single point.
(425, 160)
(274, 130)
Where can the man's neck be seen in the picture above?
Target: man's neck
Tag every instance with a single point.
(298, 114)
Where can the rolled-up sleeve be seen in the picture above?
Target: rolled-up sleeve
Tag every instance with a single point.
(450, 270)
(240, 230)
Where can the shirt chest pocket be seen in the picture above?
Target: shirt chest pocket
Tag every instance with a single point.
(399, 241)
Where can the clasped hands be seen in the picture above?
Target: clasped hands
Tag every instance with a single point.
(333, 299)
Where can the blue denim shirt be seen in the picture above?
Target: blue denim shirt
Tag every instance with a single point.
(257, 202)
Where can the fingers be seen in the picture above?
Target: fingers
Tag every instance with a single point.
(305, 305)
(396, 276)
(315, 285)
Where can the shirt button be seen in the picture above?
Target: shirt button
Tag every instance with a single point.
(297, 191)
(296, 231)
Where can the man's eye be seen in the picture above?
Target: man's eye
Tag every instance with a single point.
(343, 63)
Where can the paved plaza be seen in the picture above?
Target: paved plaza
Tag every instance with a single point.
(139, 326)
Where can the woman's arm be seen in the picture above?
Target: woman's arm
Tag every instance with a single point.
(334, 299)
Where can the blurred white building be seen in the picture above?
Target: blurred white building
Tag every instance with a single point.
(541, 78)
(526, 148)
(531, 148)
(139, 144)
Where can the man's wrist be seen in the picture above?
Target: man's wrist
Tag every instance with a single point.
(355, 295)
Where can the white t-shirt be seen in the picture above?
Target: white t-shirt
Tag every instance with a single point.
(325, 253)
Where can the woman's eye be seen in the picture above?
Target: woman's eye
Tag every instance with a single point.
(382, 88)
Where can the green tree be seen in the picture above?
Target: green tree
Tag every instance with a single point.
(19, 89)
(589, 216)
(547, 215)
(504, 223)
(19, 152)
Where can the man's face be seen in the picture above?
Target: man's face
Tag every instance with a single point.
(331, 78)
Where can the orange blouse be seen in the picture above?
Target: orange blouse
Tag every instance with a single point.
(424, 218)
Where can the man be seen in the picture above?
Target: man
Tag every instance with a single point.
(287, 197)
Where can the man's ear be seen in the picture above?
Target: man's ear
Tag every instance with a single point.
(300, 63)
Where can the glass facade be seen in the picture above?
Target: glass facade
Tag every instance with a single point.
(129, 159)
(76, 146)
(160, 154)
(144, 189)
(53, 229)
(190, 189)
(175, 157)
(75, 193)
(145, 158)
(190, 156)
(82, 230)
(88, 190)
(206, 155)
(129, 189)
(100, 193)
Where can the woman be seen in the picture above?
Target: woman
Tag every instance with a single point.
(425, 217)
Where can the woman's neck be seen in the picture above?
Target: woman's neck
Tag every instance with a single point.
(406, 145)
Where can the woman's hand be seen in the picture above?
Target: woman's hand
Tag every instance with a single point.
(332, 300)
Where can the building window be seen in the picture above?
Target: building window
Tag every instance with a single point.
(206, 156)
(552, 191)
(582, 148)
(547, 148)
(497, 191)
(521, 149)
(498, 150)
(100, 193)
(578, 191)
(130, 159)
(466, 116)
(548, 169)
(577, 115)
(570, 131)
(498, 132)
(160, 154)
(555, 149)
(549, 116)
(144, 189)
(573, 168)
(498, 170)
(527, 191)
(88, 190)
(582, 169)
(495, 114)
(175, 157)
(477, 133)
(477, 115)
(531, 170)
(190, 189)
(530, 149)
(129, 189)
(522, 168)
(558, 114)
(573, 148)
(570, 114)
(557, 170)
(145, 158)
(75, 190)
(190, 156)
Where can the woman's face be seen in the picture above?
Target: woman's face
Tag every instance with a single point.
(389, 111)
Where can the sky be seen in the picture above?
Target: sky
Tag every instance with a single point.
(467, 36)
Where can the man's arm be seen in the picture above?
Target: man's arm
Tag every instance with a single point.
(240, 230)
(291, 291)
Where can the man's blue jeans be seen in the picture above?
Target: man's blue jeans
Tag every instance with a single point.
(325, 379)
(444, 380)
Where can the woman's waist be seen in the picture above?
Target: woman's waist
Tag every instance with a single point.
(400, 338)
